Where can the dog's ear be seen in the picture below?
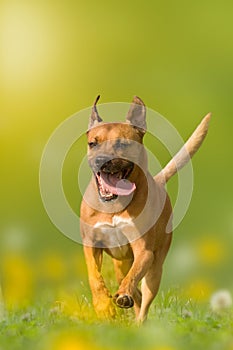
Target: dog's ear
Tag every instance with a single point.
(94, 117)
(137, 114)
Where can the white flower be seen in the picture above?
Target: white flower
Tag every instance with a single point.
(221, 300)
(187, 314)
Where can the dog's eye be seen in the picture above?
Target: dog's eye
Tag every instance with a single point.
(124, 144)
(121, 144)
(92, 144)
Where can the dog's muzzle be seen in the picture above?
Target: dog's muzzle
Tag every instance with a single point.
(112, 177)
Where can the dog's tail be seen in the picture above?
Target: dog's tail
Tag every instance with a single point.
(186, 152)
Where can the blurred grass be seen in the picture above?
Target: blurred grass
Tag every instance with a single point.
(175, 323)
(56, 57)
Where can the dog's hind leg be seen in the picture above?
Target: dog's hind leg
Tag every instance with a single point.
(151, 280)
(122, 267)
(149, 287)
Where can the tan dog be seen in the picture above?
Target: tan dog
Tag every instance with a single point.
(126, 212)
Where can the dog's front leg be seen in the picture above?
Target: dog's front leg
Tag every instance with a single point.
(143, 259)
(101, 298)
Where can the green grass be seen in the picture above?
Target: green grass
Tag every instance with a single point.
(174, 323)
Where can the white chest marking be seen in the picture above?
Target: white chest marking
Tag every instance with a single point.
(115, 233)
(117, 223)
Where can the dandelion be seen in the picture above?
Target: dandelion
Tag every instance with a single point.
(211, 251)
(53, 266)
(18, 280)
(199, 290)
(187, 314)
(220, 301)
(26, 317)
(70, 341)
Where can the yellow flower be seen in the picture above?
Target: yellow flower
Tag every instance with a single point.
(211, 251)
(73, 305)
(18, 280)
(77, 265)
(199, 290)
(69, 341)
(53, 266)
(164, 347)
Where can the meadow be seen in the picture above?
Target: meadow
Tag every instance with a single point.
(57, 56)
(69, 323)
(54, 311)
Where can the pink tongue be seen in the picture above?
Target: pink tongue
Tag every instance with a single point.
(121, 187)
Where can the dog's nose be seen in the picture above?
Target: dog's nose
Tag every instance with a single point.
(100, 160)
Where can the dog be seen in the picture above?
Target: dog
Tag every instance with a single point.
(126, 212)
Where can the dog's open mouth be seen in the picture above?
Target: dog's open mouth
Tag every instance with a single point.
(112, 181)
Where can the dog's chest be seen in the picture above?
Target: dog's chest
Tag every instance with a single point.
(115, 234)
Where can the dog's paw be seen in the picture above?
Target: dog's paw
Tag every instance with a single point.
(123, 300)
(104, 308)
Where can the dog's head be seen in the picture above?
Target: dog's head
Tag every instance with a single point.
(115, 151)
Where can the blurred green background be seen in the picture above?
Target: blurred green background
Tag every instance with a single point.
(56, 57)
